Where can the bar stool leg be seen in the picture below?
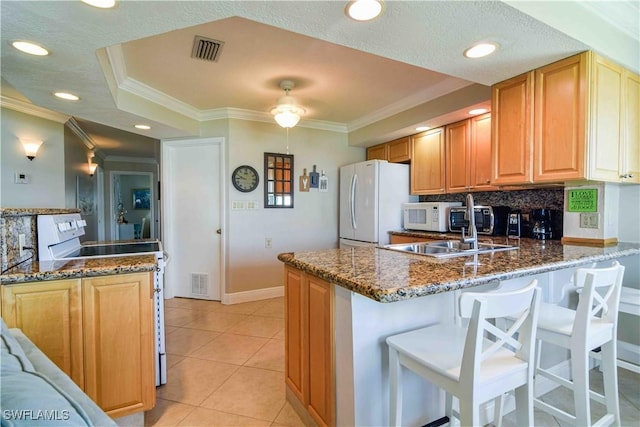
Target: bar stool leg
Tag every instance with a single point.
(610, 377)
(580, 375)
(395, 388)
(524, 405)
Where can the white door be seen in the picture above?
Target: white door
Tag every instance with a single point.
(366, 206)
(192, 173)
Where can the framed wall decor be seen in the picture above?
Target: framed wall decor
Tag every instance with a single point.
(278, 178)
(141, 198)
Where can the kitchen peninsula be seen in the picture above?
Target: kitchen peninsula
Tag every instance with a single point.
(341, 304)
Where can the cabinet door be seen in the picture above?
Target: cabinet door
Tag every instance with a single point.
(605, 147)
(119, 343)
(457, 156)
(380, 151)
(631, 130)
(560, 120)
(511, 130)
(400, 150)
(321, 403)
(480, 159)
(50, 315)
(428, 162)
(294, 336)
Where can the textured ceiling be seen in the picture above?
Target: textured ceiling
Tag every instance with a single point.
(132, 64)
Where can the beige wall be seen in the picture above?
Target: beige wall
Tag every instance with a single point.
(46, 173)
(312, 223)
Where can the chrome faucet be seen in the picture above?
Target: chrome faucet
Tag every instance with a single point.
(470, 216)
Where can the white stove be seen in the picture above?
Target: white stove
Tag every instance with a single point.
(59, 240)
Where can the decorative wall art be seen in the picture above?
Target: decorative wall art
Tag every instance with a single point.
(141, 198)
(304, 181)
(85, 195)
(278, 178)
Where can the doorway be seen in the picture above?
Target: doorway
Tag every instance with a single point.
(132, 205)
(193, 221)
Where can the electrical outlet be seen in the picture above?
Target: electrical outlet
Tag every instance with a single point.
(589, 220)
(22, 241)
(267, 242)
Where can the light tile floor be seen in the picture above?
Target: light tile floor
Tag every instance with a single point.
(226, 368)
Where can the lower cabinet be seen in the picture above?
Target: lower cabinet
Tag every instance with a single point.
(50, 314)
(309, 345)
(98, 330)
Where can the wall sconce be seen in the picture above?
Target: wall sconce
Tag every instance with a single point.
(31, 147)
(92, 166)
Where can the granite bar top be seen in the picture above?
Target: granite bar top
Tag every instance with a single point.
(7, 212)
(77, 268)
(387, 276)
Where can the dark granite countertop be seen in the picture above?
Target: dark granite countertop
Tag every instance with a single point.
(388, 276)
(7, 212)
(78, 268)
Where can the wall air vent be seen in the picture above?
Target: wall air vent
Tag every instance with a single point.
(199, 284)
(206, 49)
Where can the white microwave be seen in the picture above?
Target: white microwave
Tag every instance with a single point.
(427, 216)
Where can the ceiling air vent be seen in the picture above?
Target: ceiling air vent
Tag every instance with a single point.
(206, 49)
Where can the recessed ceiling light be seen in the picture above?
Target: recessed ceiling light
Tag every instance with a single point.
(67, 96)
(364, 10)
(102, 4)
(421, 128)
(30, 48)
(145, 127)
(481, 49)
(478, 111)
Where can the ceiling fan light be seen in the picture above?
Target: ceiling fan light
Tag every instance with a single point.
(287, 118)
(364, 10)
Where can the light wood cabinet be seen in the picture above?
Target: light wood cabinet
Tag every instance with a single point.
(468, 155)
(574, 119)
(50, 314)
(400, 150)
(396, 151)
(512, 130)
(97, 330)
(309, 346)
(378, 152)
(119, 342)
(428, 162)
(560, 103)
(614, 140)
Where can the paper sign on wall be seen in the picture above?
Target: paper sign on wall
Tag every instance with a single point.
(583, 200)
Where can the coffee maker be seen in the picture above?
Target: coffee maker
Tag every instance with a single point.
(546, 224)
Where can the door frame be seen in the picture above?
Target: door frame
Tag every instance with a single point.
(114, 231)
(167, 191)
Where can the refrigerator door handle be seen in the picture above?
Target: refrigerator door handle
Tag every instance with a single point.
(352, 201)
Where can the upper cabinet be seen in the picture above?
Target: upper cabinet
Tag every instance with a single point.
(468, 155)
(570, 120)
(614, 147)
(428, 162)
(396, 151)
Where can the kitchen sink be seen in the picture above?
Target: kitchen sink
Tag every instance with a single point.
(449, 248)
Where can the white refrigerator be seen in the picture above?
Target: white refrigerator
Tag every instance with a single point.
(371, 197)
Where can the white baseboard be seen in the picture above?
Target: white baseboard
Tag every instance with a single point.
(255, 295)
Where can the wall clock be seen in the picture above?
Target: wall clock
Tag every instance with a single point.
(245, 178)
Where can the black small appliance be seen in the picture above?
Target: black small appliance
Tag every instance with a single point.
(546, 224)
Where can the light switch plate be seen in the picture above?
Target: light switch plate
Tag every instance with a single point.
(589, 219)
(21, 178)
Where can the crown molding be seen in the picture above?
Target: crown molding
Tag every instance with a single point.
(33, 110)
(134, 87)
(75, 128)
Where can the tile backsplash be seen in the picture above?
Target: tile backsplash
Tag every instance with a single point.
(551, 198)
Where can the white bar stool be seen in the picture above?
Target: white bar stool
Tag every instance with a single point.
(463, 362)
(593, 324)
